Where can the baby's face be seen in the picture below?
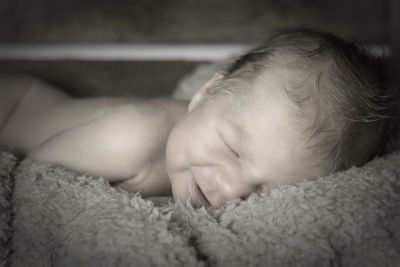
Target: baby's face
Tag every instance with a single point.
(227, 146)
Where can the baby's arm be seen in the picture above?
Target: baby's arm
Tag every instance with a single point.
(119, 146)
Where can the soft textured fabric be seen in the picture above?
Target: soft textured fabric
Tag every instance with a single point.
(50, 216)
(350, 218)
(7, 164)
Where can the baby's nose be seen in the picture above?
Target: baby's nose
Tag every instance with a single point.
(231, 191)
(220, 185)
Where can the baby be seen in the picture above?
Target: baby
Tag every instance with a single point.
(302, 105)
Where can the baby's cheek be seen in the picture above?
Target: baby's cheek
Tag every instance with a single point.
(176, 159)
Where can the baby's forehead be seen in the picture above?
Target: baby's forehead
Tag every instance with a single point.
(289, 88)
(278, 94)
(259, 100)
(276, 84)
(302, 81)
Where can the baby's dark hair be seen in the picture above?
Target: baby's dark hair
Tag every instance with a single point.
(350, 86)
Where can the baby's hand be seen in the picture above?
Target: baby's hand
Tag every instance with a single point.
(122, 146)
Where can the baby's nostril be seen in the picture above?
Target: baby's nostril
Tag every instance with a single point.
(244, 197)
(256, 189)
(259, 188)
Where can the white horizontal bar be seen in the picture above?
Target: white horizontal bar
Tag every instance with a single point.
(130, 52)
(140, 52)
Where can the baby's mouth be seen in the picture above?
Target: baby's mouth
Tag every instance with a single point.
(196, 194)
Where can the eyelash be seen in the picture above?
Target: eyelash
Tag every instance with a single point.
(234, 152)
(228, 146)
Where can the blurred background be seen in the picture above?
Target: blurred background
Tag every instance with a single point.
(144, 47)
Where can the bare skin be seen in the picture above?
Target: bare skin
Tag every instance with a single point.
(213, 150)
(121, 139)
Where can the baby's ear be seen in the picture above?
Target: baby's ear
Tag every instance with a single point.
(204, 91)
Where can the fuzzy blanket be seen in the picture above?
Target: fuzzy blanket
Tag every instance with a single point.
(51, 216)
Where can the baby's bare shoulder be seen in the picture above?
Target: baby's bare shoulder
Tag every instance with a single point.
(140, 125)
(156, 116)
(119, 144)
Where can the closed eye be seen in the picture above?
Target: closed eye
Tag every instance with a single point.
(229, 147)
(233, 151)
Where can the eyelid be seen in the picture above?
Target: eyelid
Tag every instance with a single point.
(228, 146)
(233, 151)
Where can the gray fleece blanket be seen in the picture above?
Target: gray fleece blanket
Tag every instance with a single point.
(51, 216)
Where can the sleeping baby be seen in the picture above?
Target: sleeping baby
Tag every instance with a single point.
(301, 105)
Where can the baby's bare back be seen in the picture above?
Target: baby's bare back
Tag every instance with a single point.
(121, 139)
